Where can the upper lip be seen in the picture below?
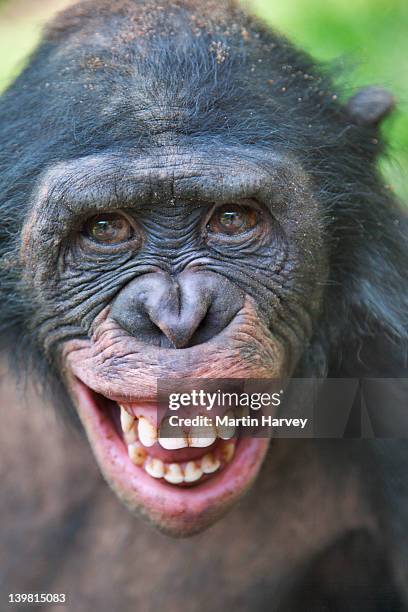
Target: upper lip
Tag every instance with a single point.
(122, 400)
(128, 400)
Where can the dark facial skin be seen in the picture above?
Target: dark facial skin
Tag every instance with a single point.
(170, 209)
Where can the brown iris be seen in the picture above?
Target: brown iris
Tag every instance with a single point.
(109, 228)
(232, 220)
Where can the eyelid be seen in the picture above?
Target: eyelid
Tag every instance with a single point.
(252, 205)
(244, 203)
(259, 230)
(248, 215)
(136, 236)
(109, 217)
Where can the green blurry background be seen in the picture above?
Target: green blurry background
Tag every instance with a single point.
(369, 36)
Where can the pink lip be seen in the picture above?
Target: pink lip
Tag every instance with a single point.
(174, 510)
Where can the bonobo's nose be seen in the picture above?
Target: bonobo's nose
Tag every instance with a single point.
(177, 311)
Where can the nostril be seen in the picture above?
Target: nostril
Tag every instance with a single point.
(203, 331)
(214, 322)
(177, 313)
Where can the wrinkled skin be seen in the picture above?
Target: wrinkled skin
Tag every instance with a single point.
(168, 123)
(292, 252)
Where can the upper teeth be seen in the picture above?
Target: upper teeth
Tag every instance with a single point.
(147, 432)
(172, 443)
(201, 437)
(198, 437)
(126, 420)
(227, 431)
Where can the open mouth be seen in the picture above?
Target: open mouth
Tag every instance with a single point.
(183, 483)
(184, 460)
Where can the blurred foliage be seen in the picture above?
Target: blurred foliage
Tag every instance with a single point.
(21, 22)
(370, 37)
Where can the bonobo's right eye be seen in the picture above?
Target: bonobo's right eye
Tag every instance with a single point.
(109, 229)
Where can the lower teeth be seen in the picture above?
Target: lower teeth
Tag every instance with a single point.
(178, 473)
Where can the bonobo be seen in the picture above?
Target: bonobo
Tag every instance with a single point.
(185, 195)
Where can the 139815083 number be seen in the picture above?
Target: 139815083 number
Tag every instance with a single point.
(21, 598)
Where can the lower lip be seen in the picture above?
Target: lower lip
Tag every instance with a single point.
(175, 508)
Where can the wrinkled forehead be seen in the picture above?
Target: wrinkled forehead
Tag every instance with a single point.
(76, 188)
(129, 179)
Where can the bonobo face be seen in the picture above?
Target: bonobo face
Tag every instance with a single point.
(179, 263)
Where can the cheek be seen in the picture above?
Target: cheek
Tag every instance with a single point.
(284, 270)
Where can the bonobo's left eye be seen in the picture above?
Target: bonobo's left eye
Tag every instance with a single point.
(232, 220)
(109, 229)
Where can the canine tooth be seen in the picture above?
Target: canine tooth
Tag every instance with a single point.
(225, 432)
(126, 420)
(172, 443)
(137, 455)
(227, 452)
(131, 435)
(192, 472)
(147, 432)
(209, 464)
(154, 467)
(173, 473)
(200, 437)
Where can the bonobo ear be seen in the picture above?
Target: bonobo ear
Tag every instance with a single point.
(370, 106)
